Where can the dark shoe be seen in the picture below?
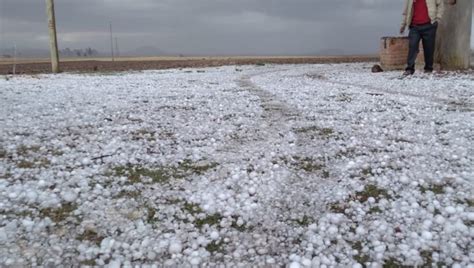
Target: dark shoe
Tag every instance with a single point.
(408, 72)
(428, 71)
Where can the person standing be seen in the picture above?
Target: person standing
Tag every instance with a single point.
(422, 18)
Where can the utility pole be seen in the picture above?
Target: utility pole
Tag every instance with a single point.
(111, 43)
(454, 35)
(53, 41)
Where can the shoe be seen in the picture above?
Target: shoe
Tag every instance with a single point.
(408, 72)
(428, 71)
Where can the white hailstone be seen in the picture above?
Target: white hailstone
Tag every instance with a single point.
(450, 210)
(360, 230)
(270, 261)
(351, 164)
(31, 196)
(357, 265)
(306, 262)
(195, 261)
(332, 230)
(69, 196)
(214, 235)
(252, 191)
(3, 235)
(371, 200)
(427, 235)
(295, 265)
(86, 161)
(175, 247)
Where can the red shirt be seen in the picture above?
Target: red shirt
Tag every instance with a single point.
(420, 13)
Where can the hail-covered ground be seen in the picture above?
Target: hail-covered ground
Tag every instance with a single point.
(299, 166)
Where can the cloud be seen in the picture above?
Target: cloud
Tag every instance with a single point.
(207, 26)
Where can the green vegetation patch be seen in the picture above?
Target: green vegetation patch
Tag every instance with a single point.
(210, 220)
(58, 214)
(305, 221)
(394, 263)
(323, 132)
(436, 189)
(151, 215)
(36, 163)
(371, 190)
(162, 174)
(24, 150)
(215, 246)
(143, 134)
(359, 257)
(3, 153)
(307, 164)
(91, 236)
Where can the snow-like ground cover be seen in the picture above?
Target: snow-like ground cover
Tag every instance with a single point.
(311, 165)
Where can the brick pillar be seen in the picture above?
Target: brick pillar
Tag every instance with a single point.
(394, 53)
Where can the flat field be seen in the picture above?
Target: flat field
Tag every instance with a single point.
(275, 165)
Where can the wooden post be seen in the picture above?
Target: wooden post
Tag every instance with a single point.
(454, 35)
(53, 41)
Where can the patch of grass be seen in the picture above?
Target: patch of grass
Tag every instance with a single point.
(210, 220)
(192, 208)
(240, 228)
(25, 164)
(338, 208)
(360, 257)
(392, 263)
(260, 64)
(128, 194)
(305, 221)
(371, 190)
(344, 97)
(427, 257)
(375, 210)
(162, 174)
(38, 163)
(215, 246)
(470, 202)
(436, 189)
(151, 215)
(23, 150)
(367, 172)
(60, 214)
(134, 174)
(143, 134)
(307, 164)
(3, 153)
(91, 236)
(88, 263)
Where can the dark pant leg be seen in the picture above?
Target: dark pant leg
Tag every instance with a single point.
(413, 49)
(429, 42)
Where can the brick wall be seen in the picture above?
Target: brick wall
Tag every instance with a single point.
(394, 52)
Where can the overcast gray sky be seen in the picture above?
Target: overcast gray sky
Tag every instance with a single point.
(213, 27)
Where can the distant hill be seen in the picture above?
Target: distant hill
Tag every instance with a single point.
(24, 52)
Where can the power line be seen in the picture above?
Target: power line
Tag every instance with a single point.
(117, 51)
(111, 42)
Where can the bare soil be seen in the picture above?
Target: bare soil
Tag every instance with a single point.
(124, 64)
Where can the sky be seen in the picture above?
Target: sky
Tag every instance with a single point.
(206, 27)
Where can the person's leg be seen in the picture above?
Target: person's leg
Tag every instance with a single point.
(429, 42)
(413, 48)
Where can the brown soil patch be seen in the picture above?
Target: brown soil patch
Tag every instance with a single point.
(156, 64)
